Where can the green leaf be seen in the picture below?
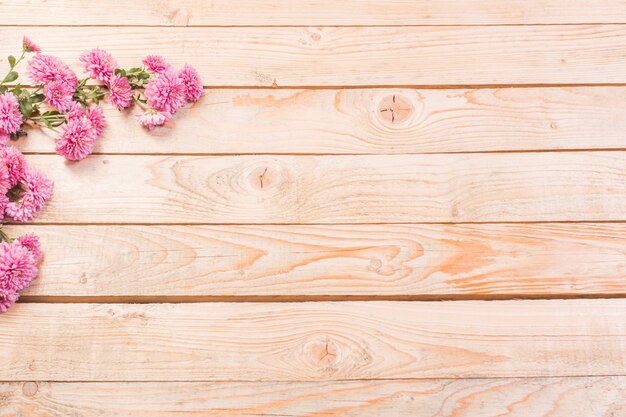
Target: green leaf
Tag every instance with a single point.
(37, 98)
(11, 76)
(17, 90)
(26, 108)
(3, 89)
(11, 61)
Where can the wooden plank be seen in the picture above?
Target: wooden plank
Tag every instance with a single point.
(346, 121)
(358, 56)
(501, 187)
(528, 397)
(313, 341)
(316, 13)
(429, 261)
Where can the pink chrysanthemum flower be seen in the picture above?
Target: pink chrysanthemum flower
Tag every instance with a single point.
(99, 64)
(15, 165)
(17, 267)
(5, 186)
(75, 112)
(58, 95)
(43, 68)
(7, 299)
(46, 68)
(155, 63)
(4, 202)
(152, 118)
(30, 46)
(95, 115)
(166, 92)
(5, 181)
(31, 242)
(191, 80)
(35, 190)
(121, 94)
(76, 140)
(4, 138)
(10, 117)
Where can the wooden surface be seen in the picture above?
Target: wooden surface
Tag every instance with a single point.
(315, 262)
(313, 341)
(358, 56)
(349, 121)
(400, 208)
(558, 397)
(317, 12)
(494, 187)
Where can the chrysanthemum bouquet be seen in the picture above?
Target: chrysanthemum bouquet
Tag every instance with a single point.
(23, 192)
(58, 100)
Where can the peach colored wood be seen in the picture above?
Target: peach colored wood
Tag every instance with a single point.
(286, 261)
(313, 341)
(357, 56)
(503, 187)
(316, 13)
(374, 121)
(366, 358)
(556, 397)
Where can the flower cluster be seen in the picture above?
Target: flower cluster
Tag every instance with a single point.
(57, 99)
(60, 101)
(18, 267)
(23, 192)
(158, 88)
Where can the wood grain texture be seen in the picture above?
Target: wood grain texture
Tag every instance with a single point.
(313, 341)
(357, 56)
(528, 397)
(515, 187)
(315, 13)
(345, 121)
(435, 261)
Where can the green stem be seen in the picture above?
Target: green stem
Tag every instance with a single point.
(14, 65)
(139, 103)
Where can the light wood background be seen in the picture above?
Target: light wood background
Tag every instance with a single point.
(399, 208)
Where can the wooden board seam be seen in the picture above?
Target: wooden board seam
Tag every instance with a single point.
(194, 299)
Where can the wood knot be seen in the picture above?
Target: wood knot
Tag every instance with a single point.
(395, 109)
(375, 265)
(322, 353)
(29, 389)
(263, 178)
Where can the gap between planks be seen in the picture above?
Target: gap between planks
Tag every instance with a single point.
(44, 299)
(208, 154)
